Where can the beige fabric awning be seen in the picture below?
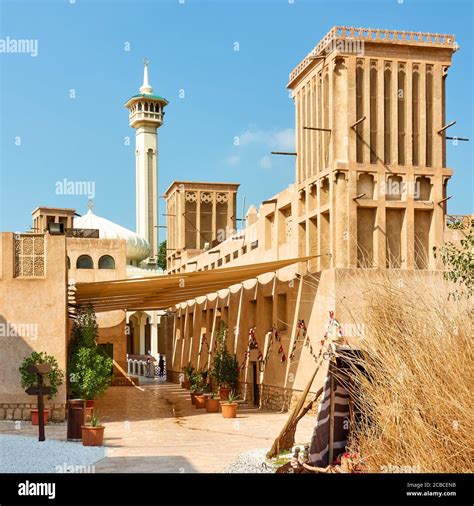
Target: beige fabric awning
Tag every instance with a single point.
(162, 292)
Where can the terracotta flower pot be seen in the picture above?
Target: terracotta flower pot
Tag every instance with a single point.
(212, 405)
(229, 409)
(200, 401)
(92, 436)
(89, 409)
(35, 416)
(224, 393)
(193, 398)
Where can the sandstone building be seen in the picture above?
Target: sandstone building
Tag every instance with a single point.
(369, 192)
(369, 195)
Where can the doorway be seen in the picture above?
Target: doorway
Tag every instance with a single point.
(147, 337)
(255, 388)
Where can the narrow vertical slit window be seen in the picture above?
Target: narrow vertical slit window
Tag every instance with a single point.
(429, 115)
(387, 86)
(309, 137)
(443, 115)
(415, 115)
(373, 112)
(298, 139)
(320, 122)
(314, 138)
(359, 110)
(401, 115)
(151, 229)
(326, 120)
(303, 135)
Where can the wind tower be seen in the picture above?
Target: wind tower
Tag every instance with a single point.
(146, 116)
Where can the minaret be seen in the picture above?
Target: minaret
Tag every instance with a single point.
(146, 116)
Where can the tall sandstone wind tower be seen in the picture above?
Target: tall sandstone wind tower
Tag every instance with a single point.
(146, 116)
(371, 147)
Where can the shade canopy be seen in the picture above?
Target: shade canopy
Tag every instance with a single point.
(162, 292)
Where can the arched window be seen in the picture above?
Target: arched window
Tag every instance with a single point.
(139, 106)
(394, 188)
(106, 262)
(84, 262)
(366, 185)
(68, 262)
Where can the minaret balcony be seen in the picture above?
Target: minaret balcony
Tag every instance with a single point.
(146, 116)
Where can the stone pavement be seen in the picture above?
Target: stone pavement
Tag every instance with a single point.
(156, 429)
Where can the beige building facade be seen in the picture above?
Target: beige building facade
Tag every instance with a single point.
(369, 192)
(37, 272)
(369, 196)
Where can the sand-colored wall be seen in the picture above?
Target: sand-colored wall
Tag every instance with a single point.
(112, 323)
(39, 305)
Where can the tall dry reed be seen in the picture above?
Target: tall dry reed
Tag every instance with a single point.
(416, 395)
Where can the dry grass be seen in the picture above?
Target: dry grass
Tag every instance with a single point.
(417, 406)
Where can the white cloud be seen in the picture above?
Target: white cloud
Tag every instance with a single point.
(277, 139)
(266, 162)
(232, 160)
(285, 139)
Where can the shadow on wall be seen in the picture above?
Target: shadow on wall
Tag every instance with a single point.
(14, 343)
(303, 311)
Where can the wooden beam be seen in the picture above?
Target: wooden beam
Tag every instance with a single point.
(442, 129)
(357, 122)
(457, 138)
(318, 129)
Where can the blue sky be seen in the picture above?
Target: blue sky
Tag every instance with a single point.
(47, 136)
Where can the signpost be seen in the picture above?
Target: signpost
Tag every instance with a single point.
(40, 390)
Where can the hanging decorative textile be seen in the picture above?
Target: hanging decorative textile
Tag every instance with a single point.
(333, 327)
(203, 342)
(275, 333)
(252, 345)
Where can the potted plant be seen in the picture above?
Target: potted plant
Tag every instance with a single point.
(90, 368)
(93, 434)
(54, 379)
(229, 407)
(200, 400)
(198, 387)
(212, 403)
(193, 379)
(188, 372)
(225, 368)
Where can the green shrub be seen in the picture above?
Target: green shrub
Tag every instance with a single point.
(225, 368)
(90, 369)
(90, 373)
(188, 371)
(54, 378)
(198, 382)
(458, 260)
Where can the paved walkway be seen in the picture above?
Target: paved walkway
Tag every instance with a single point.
(156, 429)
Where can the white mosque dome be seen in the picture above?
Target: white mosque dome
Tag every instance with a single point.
(137, 248)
